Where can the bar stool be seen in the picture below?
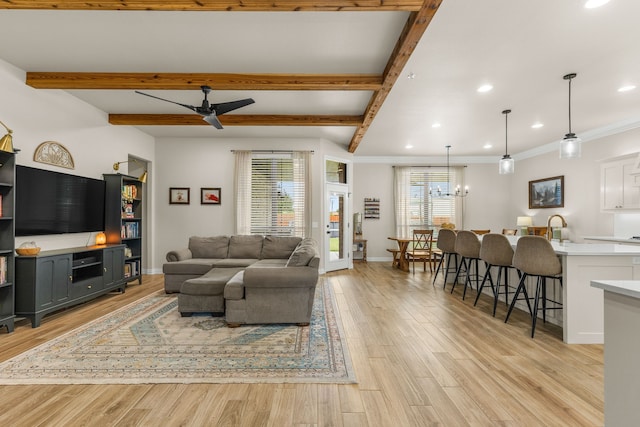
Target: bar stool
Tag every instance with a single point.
(496, 251)
(534, 256)
(468, 247)
(447, 245)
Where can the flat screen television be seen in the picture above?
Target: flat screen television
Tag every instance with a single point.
(49, 202)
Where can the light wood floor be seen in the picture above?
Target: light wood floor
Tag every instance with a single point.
(422, 357)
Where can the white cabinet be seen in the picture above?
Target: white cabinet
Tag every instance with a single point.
(620, 185)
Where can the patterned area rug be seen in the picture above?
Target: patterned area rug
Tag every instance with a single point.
(149, 342)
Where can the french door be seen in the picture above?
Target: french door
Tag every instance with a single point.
(337, 239)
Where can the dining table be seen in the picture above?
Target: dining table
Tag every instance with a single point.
(403, 245)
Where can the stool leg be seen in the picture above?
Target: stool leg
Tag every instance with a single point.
(487, 273)
(534, 315)
(515, 296)
(459, 269)
(496, 292)
(438, 268)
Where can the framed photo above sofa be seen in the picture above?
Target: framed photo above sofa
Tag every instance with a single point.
(179, 196)
(546, 193)
(210, 196)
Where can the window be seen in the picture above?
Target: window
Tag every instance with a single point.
(272, 193)
(417, 203)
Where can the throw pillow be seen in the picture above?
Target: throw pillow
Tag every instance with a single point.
(276, 247)
(209, 247)
(302, 255)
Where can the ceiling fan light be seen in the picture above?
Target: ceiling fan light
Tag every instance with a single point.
(506, 165)
(570, 147)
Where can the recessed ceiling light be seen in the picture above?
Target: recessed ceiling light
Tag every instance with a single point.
(487, 146)
(592, 4)
(537, 125)
(435, 125)
(626, 88)
(485, 88)
(411, 76)
(408, 146)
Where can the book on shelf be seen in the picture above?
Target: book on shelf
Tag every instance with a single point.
(130, 230)
(3, 270)
(129, 192)
(132, 269)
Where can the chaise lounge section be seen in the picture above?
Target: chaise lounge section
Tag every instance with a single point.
(249, 279)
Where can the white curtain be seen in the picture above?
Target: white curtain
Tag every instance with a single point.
(302, 169)
(242, 187)
(401, 196)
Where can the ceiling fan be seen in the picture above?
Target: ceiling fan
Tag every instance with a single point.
(210, 112)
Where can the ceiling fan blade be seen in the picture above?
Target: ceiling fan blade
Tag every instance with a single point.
(191, 107)
(212, 120)
(225, 107)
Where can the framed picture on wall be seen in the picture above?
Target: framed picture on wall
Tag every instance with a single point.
(210, 196)
(546, 193)
(179, 196)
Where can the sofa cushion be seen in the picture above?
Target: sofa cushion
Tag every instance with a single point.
(304, 252)
(234, 262)
(191, 266)
(279, 247)
(209, 247)
(245, 247)
(234, 289)
(211, 283)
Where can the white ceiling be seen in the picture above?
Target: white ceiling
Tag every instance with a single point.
(523, 48)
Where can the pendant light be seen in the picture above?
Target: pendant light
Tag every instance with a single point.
(570, 146)
(457, 193)
(507, 164)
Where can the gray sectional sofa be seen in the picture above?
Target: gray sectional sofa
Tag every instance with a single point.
(249, 279)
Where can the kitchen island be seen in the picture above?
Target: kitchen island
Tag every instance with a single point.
(621, 349)
(582, 313)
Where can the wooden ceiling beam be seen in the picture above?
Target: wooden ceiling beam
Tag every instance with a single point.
(219, 5)
(217, 81)
(413, 30)
(234, 120)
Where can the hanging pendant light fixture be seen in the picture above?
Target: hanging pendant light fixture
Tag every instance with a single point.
(570, 146)
(457, 193)
(507, 164)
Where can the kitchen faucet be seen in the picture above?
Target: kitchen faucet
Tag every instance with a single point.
(549, 233)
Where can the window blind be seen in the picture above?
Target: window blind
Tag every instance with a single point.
(276, 188)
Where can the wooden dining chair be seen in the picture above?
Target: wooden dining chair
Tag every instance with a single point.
(421, 249)
(509, 231)
(479, 232)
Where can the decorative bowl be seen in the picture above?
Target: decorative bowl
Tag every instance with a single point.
(27, 251)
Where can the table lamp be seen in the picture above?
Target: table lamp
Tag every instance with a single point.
(523, 222)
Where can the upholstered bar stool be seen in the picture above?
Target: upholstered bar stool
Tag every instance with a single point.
(447, 245)
(468, 247)
(534, 256)
(496, 251)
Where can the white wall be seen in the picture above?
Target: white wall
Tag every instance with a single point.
(495, 201)
(36, 116)
(201, 162)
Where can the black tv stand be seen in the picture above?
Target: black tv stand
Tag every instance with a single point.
(57, 279)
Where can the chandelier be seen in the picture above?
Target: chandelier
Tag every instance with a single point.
(458, 191)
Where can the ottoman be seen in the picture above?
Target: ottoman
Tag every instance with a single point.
(205, 294)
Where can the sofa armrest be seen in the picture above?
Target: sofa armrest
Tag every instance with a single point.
(179, 255)
(280, 277)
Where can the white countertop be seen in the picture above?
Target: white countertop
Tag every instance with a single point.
(613, 239)
(630, 288)
(588, 249)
